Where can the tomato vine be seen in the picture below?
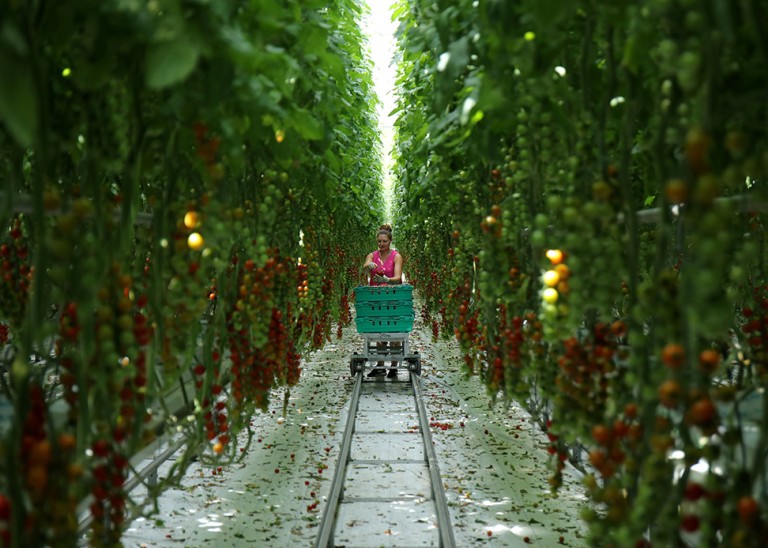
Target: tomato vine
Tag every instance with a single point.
(189, 186)
(586, 179)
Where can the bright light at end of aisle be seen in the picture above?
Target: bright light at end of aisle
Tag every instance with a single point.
(379, 29)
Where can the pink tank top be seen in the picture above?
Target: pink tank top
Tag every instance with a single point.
(387, 266)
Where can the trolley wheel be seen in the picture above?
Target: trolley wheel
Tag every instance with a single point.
(414, 364)
(356, 365)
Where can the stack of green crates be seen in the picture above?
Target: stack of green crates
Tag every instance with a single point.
(384, 308)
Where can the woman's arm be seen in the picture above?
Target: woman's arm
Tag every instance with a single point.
(368, 264)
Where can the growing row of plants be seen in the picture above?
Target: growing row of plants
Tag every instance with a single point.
(187, 188)
(589, 181)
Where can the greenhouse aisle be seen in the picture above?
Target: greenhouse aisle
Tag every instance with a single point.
(492, 461)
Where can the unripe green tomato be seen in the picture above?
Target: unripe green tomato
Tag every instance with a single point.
(60, 249)
(571, 215)
(58, 273)
(732, 293)
(707, 248)
(541, 221)
(126, 339)
(538, 238)
(105, 333)
(554, 202)
(591, 210)
(549, 308)
(738, 274)
(750, 247)
(694, 20)
(124, 321)
(108, 349)
(706, 282)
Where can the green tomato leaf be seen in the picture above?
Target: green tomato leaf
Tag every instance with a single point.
(170, 62)
(18, 99)
(307, 125)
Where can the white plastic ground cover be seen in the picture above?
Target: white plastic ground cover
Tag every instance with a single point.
(492, 461)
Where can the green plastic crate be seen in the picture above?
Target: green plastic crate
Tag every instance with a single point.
(368, 309)
(384, 324)
(377, 293)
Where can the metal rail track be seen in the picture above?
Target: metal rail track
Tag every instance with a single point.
(386, 489)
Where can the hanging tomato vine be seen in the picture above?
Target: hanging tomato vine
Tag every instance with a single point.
(186, 191)
(580, 193)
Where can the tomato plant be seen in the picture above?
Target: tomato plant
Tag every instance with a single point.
(563, 167)
(174, 173)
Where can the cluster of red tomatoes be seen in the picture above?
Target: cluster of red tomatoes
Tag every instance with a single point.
(755, 328)
(467, 333)
(15, 274)
(49, 471)
(584, 369)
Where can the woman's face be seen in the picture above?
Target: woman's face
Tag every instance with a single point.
(383, 242)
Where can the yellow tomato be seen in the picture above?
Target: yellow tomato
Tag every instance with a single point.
(551, 277)
(195, 241)
(550, 295)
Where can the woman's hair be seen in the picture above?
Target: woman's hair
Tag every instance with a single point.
(385, 229)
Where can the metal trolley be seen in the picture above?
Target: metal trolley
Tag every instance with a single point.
(384, 316)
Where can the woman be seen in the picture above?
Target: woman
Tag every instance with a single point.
(384, 267)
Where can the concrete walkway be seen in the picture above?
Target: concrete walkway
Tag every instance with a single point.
(492, 461)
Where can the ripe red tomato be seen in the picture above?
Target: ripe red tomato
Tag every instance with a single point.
(747, 508)
(694, 491)
(601, 434)
(689, 523)
(701, 412)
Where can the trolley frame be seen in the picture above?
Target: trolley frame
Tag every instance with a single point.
(396, 349)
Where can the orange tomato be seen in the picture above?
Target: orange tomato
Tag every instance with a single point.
(563, 270)
(709, 360)
(40, 453)
(676, 191)
(66, 441)
(555, 256)
(673, 355)
(669, 393)
(37, 479)
(630, 410)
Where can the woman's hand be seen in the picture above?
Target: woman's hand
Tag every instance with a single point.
(371, 266)
(379, 279)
